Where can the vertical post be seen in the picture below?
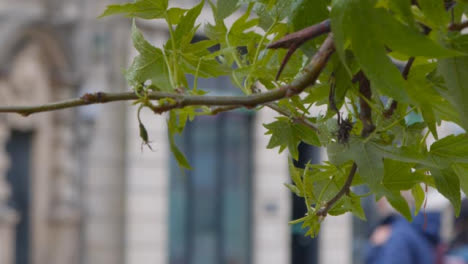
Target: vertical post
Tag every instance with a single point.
(8, 216)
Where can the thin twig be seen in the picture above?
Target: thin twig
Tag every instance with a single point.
(299, 120)
(344, 190)
(366, 112)
(302, 36)
(307, 77)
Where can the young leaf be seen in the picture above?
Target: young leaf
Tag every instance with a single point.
(225, 8)
(284, 134)
(354, 205)
(455, 73)
(399, 203)
(185, 29)
(172, 128)
(174, 15)
(419, 196)
(448, 185)
(148, 65)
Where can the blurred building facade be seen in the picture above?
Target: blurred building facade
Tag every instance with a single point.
(76, 187)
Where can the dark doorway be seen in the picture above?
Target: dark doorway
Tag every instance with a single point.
(18, 176)
(304, 250)
(210, 206)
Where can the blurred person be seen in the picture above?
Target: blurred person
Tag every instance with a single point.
(457, 252)
(395, 240)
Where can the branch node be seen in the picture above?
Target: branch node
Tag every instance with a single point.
(88, 98)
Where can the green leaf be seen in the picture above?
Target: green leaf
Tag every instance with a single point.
(448, 185)
(225, 8)
(174, 15)
(204, 68)
(369, 160)
(354, 204)
(434, 10)
(342, 82)
(419, 196)
(353, 22)
(281, 135)
(399, 203)
(146, 9)
(148, 65)
(185, 30)
(370, 165)
(430, 119)
(284, 134)
(408, 40)
(424, 93)
(455, 73)
(307, 13)
(172, 128)
(270, 11)
(408, 154)
(339, 19)
(462, 172)
(179, 156)
(306, 134)
(398, 175)
(294, 189)
(402, 8)
(295, 174)
(451, 149)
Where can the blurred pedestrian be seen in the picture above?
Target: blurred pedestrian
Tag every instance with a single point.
(397, 241)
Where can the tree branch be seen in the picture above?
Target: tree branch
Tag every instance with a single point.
(344, 190)
(307, 77)
(366, 112)
(301, 36)
(294, 40)
(221, 109)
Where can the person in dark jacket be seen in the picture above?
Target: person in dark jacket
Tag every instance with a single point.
(458, 248)
(397, 241)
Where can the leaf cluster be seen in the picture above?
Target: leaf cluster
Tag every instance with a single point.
(416, 68)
